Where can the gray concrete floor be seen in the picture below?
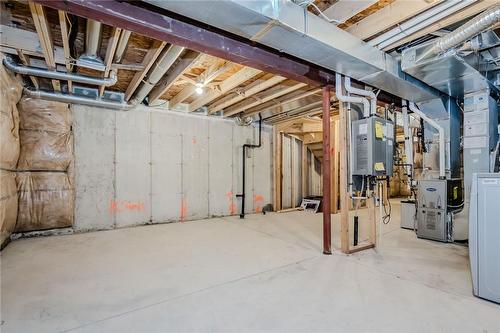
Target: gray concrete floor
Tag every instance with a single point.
(263, 274)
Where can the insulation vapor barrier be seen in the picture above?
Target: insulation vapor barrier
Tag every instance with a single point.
(8, 204)
(43, 150)
(10, 93)
(45, 201)
(46, 196)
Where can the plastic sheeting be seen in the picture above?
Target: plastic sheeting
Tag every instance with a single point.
(44, 150)
(46, 201)
(10, 93)
(8, 204)
(37, 114)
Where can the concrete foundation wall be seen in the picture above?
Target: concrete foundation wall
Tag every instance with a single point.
(154, 166)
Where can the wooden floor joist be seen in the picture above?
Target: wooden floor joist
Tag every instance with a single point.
(42, 28)
(65, 40)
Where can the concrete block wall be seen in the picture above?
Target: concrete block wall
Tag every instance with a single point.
(152, 166)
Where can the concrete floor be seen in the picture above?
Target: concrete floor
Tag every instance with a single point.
(263, 274)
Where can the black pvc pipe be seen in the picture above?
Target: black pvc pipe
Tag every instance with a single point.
(244, 150)
(356, 230)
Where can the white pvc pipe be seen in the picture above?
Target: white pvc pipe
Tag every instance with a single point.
(417, 23)
(367, 93)
(408, 140)
(442, 164)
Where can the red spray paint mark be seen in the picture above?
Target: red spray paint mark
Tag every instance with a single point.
(120, 206)
(194, 141)
(183, 209)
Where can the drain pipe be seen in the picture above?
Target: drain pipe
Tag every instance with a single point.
(74, 99)
(369, 94)
(249, 146)
(408, 141)
(442, 144)
(39, 72)
(366, 110)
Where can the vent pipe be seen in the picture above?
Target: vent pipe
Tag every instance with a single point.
(74, 99)
(166, 60)
(122, 46)
(39, 72)
(442, 143)
(91, 57)
(368, 94)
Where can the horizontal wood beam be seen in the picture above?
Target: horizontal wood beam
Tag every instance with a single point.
(230, 83)
(248, 91)
(263, 97)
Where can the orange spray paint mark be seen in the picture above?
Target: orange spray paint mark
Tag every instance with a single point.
(120, 206)
(258, 209)
(258, 198)
(194, 141)
(183, 209)
(232, 208)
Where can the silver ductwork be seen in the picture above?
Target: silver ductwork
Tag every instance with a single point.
(452, 63)
(74, 99)
(39, 72)
(289, 28)
(162, 65)
(90, 59)
(483, 21)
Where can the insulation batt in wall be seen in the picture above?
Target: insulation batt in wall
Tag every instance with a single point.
(152, 166)
(45, 201)
(10, 93)
(46, 196)
(8, 204)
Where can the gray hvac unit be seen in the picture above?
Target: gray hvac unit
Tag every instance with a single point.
(484, 235)
(373, 147)
(435, 199)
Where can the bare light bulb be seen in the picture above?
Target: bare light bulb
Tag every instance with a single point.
(199, 90)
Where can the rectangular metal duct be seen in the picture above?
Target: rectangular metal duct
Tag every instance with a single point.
(449, 73)
(289, 28)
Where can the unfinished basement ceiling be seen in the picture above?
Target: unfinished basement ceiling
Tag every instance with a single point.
(234, 89)
(223, 87)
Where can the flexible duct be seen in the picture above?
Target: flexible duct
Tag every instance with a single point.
(440, 129)
(473, 27)
(74, 99)
(369, 94)
(33, 71)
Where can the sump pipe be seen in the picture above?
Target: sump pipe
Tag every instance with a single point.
(39, 72)
(74, 99)
(440, 129)
(249, 146)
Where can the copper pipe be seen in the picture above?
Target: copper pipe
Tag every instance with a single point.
(327, 223)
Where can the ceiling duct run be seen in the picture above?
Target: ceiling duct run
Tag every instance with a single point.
(464, 61)
(289, 28)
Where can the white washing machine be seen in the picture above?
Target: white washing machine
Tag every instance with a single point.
(484, 235)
